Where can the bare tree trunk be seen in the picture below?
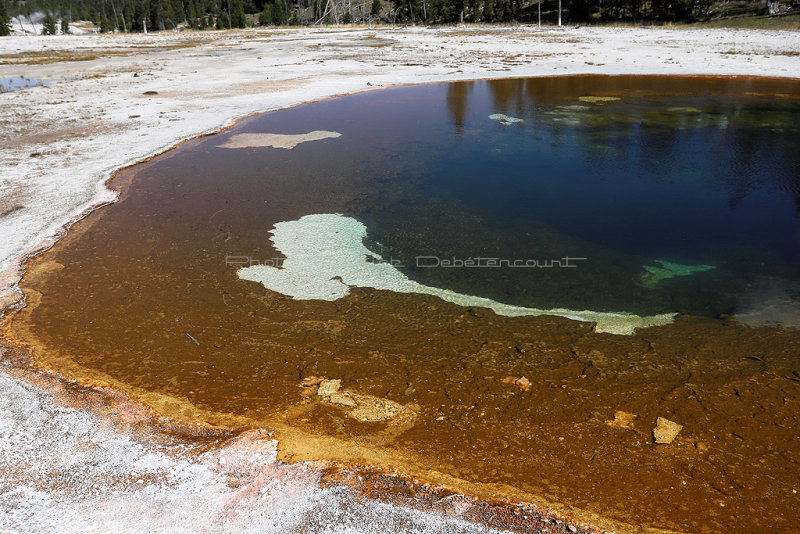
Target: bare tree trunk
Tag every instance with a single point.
(540, 14)
(559, 13)
(319, 17)
(116, 17)
(773, 7)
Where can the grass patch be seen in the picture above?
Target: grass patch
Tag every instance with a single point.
(759, 22)
(44, 57)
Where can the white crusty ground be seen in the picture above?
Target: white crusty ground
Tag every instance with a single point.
(325, 257)
(66, 470)
(59, 144)
(285, 141)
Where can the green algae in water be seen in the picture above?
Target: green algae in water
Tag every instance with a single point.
(653, 275)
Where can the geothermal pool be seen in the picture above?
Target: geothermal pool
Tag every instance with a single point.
(612, 194)
(624, 243)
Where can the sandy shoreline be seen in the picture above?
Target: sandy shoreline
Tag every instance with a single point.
(144, 94)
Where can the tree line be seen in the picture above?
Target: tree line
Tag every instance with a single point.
(155, 15)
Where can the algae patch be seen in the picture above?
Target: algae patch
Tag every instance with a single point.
(598, 99)
(653, 275)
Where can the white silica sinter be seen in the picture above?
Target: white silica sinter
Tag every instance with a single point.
(271, 140)
(325, 256)
(66, 470)
(505, 119)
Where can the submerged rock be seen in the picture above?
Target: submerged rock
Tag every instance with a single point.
(342, 399)
(371, 409)
(365, 408)
(666, 431)
(623, 420)
(329, 387)
(310, 381)
(522, 383)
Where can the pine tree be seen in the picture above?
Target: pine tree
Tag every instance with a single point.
(377, 7)
(266, 18)
(222, 19)
(48, 25)
(65, 26)
(238, 18)
(192, 15)
(5, 29)
(127, 15)
(488, 11)
(281, 13)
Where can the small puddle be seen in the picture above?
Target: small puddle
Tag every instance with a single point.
(21, 82)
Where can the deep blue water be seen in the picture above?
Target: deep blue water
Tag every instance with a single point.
(622, 171)
(699, 179)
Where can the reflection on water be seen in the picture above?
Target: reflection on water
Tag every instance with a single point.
(457, 101)
(622, 172)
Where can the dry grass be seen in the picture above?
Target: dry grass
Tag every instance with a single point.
(787, 22)
(765, 53)
(44, 57)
